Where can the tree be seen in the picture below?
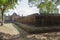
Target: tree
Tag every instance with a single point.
(45, 6)
(5, 5)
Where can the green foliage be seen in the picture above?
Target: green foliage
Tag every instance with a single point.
(46, 6)
(7, 4)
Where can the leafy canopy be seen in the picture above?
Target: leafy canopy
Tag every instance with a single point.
(45, 6)
(7, 4)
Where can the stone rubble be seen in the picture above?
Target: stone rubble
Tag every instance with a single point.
(40, 36)
(4, 36)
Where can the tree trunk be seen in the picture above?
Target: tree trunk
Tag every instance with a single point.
(2, 18)
(2, 12)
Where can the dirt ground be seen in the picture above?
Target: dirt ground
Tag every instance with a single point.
(12, 29)
(9, 28)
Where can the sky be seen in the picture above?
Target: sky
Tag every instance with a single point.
(23, 9)
(58, 8)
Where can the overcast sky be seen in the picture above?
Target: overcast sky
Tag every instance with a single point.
(58, 8)
(23, 8)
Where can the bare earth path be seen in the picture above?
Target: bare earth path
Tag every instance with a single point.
(12, 29)
(8, 28)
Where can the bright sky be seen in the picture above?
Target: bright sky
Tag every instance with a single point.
(58, 8)
(23, 8)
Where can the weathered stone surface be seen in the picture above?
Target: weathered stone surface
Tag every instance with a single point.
(4, 36)
(45, 36)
